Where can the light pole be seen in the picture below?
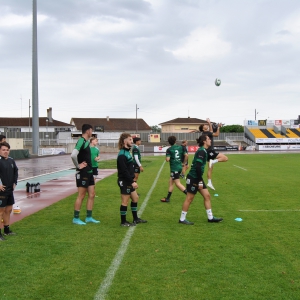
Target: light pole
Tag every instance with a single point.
(256, 113)
(47, 120)
(136, 122)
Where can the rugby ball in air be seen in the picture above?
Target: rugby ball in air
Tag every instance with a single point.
(218, 82)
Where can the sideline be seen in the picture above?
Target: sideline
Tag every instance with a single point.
(240, 167)
(110, 274)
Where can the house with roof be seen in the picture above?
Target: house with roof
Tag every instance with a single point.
(112, 125)
(22, 127)
(182, 125)
(108, 129)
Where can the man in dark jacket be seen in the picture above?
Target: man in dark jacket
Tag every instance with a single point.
(8, 182)
(126, 181)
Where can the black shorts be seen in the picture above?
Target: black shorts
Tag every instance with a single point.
(95, 171)
(7, 199)
(84, 179)
(125, 187)
(211, 154)
(192, 185)
(137, 169)
(175, 175)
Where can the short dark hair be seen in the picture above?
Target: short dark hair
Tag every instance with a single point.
(201, 140)
(172, 140)
(5, 144)
(2, 137)
(86, 127)
(135, 139)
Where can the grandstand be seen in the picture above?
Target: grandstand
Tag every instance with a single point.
(273, 134)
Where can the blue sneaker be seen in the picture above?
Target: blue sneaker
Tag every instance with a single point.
(91, 220)
(78, 221)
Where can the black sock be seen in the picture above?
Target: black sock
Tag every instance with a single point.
(169, 195)
(123, 212)
(133, 206)
(6, 228)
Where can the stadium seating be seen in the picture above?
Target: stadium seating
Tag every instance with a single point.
(291, 134)
(258, 133)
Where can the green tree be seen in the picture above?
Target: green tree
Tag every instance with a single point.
(155, 129)
(232, 128)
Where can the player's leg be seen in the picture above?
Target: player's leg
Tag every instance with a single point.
(207, 204)
(170, 190)
(185, 207)
(2, 209)
(133, 205)
(90, 202)
(78, 203)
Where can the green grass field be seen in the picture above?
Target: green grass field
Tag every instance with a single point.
(257, 258)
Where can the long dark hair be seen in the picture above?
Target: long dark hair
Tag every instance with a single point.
(200, 141)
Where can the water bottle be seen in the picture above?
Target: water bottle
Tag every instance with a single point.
(37, 188)
(27, 187)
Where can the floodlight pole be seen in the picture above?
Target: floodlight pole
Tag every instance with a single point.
(35, 94)
(136, 123)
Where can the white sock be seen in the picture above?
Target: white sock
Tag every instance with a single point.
(183, 215)
(209, 214)
(209, 181)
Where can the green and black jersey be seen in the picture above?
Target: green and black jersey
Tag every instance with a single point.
(83, 147)
(136, 151)
(198, 164)
(125, 166)
(175, 153)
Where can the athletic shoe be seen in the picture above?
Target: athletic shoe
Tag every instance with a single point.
(211, 186)
(182, 175)
(210, 163)
(78, 221)
(215, 220)
(10, 233)
(127, 224)
(165, 200)
(186, 222)
(91, 220)
(139, 220)
(2, 238)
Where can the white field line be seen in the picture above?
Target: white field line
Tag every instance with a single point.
(240, 167)
(45, 174)
(110, 274)
(269, 210)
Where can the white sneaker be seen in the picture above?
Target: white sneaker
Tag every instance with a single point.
(211, 186)
(210, 163)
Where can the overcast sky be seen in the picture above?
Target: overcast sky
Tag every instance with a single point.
(100, 58)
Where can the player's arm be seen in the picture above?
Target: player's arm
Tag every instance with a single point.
(185, 159)
(16, 173)
(168, 155)
(200, 162)
(209, 124)
(136, 159)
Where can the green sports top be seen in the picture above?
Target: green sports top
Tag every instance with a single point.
(94, 153)
(175, 153)
(198, 164)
